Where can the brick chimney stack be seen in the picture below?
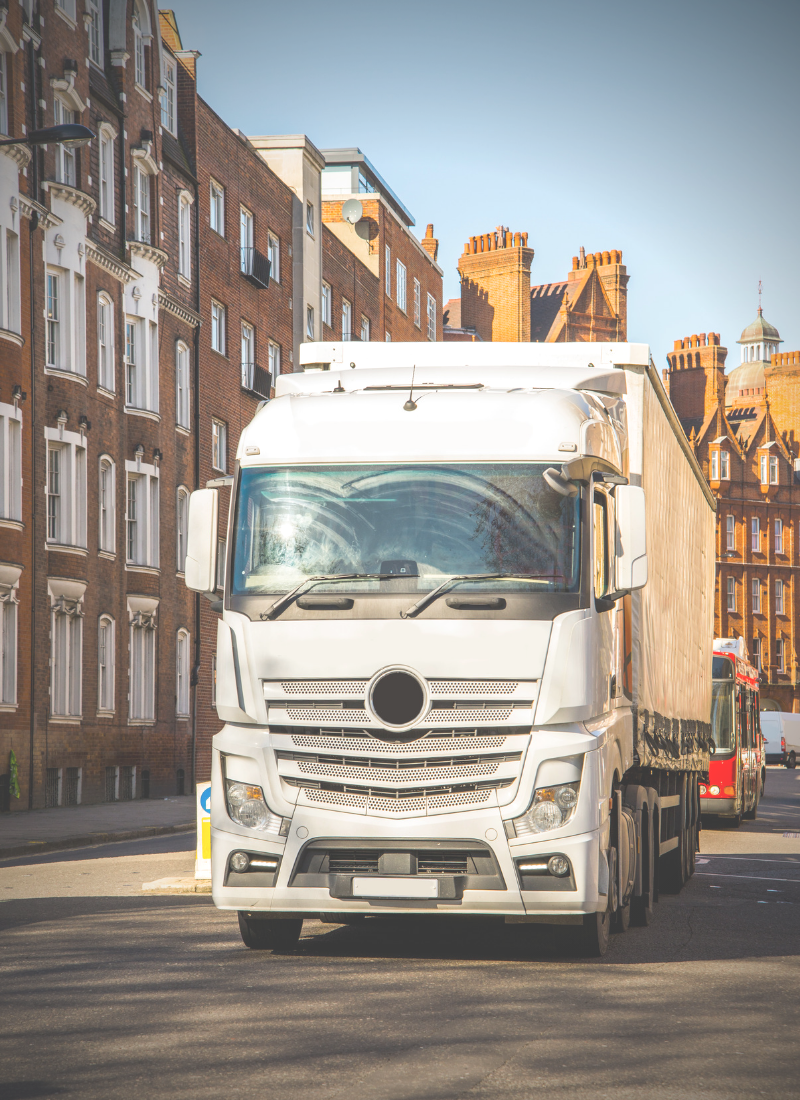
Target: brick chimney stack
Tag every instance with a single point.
(430, 243)
(613, 275)
(495, 271)
(696, 376)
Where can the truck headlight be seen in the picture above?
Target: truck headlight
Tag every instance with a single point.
(247, 806)
(551, 808)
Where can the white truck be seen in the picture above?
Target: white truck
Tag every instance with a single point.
(464, 654)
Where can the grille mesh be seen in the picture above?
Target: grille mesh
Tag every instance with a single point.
(384, 775)
(324, 687)
(468, 714)
(396, 805)
(323, 741)
(325, 714)
(455, 688)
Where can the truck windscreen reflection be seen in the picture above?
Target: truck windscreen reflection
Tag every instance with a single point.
(422, 522)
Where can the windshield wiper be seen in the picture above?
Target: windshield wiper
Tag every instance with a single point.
(275, 609)
(434, 594)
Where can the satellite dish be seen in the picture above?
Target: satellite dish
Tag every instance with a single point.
(352, 211)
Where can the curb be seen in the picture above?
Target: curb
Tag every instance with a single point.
(177, 886)
(33, 847)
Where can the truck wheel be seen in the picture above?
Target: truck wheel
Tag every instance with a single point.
(642, 907)
(763, 781)
(269, 935)
(674, 869)
(594, 934)
(792, 761)
(622, 918)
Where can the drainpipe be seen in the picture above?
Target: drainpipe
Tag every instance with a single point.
(196, 419)
(34, 223)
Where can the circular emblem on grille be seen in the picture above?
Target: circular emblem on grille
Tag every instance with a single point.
(398, 698)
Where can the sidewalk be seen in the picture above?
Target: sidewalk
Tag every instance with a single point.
(27, 831)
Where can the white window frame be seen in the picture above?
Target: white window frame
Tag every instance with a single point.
(106, 653)
(105, 342)
(69, 527)
(309, 322)
(780, 596)
(400, 286)
(217, 326)
(274, 360)
(106, 504)
(730, 533)
(274, 257)
(139, 66)
(94, 27)
(106, 193)
(764, 469)
(310, 224)
(778, 532)
(388, 271)
(780, 655)
(183, 386)
(715, 466)
(755, 593)
(246, 239)
(65, 154)
(724, 465)
(169, 96)
(417, 303)
(216, 201)
(181, 527)
(9, 636)
(773, 469)
(185, 200)
(141, 204)
(248, 356)
(141, 364)
(142, 672)
(365, 329)
(755, 534)
(219, 444)
(731, 591)
(757, 653)
(10, 463)
(347, 320)
(142, 526)
(10, 301)
(182, 672)
(57, 320)
(66, 656)
(431, 315)
(327, 298)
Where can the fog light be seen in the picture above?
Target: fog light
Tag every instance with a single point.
(558, 866)
(730, 790)
(702, 788)
(713, 790)
(240, 861)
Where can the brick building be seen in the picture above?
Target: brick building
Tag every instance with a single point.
(498, 302)
(172, 264)
(743, 427)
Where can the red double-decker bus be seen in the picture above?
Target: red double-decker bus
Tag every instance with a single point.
(734, 776)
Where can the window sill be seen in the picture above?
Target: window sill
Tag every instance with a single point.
(221, 354)
(12, 337)
(183, 717)
(71, 374)
(183, 431)
(8, 708)
(13, 524)
(107, 555)
(106, 393)
(153, 570)
(108, 226)
(105, 714)
(67, 18)
(180, 576)
(66, 719)
(184, 282)
(146, 413)
(65, 548)
(143, 92)
(141, 722)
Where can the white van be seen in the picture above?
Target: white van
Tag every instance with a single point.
(781, 732)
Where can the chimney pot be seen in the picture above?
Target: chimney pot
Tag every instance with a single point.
(703, 340)
(598, 258)
(429, 230)
(524, 239)
(574, 263)
(516, 240)
(678, 344)
(693, 339)
(606, 259)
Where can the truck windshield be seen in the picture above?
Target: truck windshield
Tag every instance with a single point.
(420, 523)
(722, 717)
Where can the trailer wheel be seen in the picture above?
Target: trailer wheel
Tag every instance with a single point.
(269, 935)
(642, 907)
(674, 865)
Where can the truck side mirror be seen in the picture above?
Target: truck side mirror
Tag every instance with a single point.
(631, 556)
(201, 547)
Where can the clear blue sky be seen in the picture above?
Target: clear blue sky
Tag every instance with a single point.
(669, 130)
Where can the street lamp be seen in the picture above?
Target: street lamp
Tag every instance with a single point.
(70, 134)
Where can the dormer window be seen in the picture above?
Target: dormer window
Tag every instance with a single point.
(724, 465)
(94, 20)
(141, 204)
(138, 46)
(168, 97)
(715, 465)
(773, 469)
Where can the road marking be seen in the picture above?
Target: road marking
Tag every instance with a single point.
(753, 859)
(750, 878)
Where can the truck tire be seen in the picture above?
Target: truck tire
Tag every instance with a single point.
(792, 761)
(674, 870)
(763, 781)
(594, 935)
(269, 935)
(642, 906)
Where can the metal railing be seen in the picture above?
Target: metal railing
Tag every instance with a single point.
(256, 380)
(255, 267)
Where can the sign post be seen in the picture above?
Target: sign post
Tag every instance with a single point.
(202, 863)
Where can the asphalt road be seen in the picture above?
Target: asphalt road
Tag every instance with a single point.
(106, 993)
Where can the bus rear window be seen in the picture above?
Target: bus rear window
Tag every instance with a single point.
(722, 669)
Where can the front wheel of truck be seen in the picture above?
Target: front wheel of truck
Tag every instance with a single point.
(269, 935)
(594, 935)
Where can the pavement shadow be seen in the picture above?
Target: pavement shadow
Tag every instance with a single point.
(26, 911)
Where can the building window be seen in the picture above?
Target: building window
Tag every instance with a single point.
(182, 527)
(66, 658)
(142, 515)
(10, 462)
(764, 470)
(778, 536)
(66, 488)
(431, 317)
(105, 342)
(217, 208)
(400, 288)
(274, 360)
(141, 365)
(310, 218)
(222, 545)
(779, 655)
(326, 304)
(168, 95)
(105, 664)
(182, 385)
(248, 355)
(138, 46)
(10, 314)
(731, 594)
(219, 445)
(107, 175)
(141, 204)
(755, 534)
(143, 667)
(757, 653)
(388, 272)
(65, 154)
(245, 240)
(182, 674)
(347, 320)
(365, 330)
(8, 643)
(715, 466)
(185, 234)
(417, 302)
(94, 19)
(773, 469)
(779, 592)
(274, 257)
(730, 533)
(106, 506)
(756, 590)
(309, 322)
(724, 465)
(3, 93)
(53, 316)
(217, 327)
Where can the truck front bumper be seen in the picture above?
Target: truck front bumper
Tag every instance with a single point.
(723, 807)
(511, 893)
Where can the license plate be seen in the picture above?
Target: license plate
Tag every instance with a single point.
(395, 888)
